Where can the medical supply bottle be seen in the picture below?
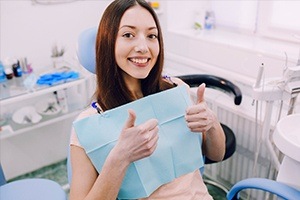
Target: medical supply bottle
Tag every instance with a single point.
(2, 73)
(209, 20)
(17, 69)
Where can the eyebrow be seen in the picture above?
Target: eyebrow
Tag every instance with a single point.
(133, 27)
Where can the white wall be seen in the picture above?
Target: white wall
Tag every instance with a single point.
(236, 56)
(30, 30)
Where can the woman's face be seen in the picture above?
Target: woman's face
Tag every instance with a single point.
(137, 45)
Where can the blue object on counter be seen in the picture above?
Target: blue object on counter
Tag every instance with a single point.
(57, 78)
(2, 73)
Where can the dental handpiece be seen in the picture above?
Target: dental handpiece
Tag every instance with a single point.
(258, 79)
(259, 76)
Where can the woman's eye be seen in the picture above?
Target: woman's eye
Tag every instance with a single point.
(127, 35)
(152, 36)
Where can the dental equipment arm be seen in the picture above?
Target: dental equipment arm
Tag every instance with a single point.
(285, 88)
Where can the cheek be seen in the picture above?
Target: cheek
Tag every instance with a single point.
(155, 53)
(154, 48)
(120, 52)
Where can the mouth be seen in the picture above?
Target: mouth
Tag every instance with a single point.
(139, 61)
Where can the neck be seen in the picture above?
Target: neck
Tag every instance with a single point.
(134, 86)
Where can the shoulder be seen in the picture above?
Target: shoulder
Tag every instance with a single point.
(176, 81)
(89, 111)
(85, 113)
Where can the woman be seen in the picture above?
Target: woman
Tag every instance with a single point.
(129, 62)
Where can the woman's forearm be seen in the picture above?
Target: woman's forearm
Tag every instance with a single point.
(214, 145)
(87, 184)
(109, 181)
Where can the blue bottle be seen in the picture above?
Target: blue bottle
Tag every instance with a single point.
(2, 73)
(209, 20)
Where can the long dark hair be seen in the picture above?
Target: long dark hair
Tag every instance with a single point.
(111, 88)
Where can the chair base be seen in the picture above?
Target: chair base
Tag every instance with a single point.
(215, 184)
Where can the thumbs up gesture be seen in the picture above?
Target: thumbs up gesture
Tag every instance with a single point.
(137, 141)
(199, 117)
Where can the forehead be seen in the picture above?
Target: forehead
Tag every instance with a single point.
(137, 16)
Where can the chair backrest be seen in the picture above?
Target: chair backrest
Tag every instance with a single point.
(2, 177)
(86, 56)
(86, 49)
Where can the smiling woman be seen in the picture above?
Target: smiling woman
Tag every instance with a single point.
(129, 64)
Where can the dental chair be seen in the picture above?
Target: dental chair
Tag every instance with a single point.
(30, 189)
(86, 56)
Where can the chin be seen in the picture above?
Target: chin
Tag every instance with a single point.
(140, 75)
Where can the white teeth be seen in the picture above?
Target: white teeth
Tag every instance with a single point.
(139, 61)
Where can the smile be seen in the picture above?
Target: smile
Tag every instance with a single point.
(139, 60)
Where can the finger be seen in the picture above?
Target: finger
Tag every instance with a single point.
(197, 115)
(152, 142)
(150, 148)
(197, 128)
(152, 133)
(195, 109)
(198, 124)
(131, 119)
(200, 93)
(149, 125)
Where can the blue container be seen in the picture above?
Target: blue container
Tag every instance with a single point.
(2, 73)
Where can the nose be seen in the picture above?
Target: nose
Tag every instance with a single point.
(141, 45)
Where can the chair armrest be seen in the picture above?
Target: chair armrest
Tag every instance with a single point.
(280, 189)
(211, 81)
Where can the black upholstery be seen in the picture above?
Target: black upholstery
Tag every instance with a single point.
(230, 144)
(211, 81)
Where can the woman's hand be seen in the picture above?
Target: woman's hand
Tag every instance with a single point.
(137, 142)
(202, 119)
(199, 117)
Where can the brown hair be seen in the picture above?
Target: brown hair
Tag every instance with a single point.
(111, 89)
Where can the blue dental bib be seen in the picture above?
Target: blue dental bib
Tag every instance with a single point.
(178, 151)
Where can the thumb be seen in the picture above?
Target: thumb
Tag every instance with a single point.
(131, 119)
(200, 93)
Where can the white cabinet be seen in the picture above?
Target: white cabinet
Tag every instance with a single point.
(30, 146)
